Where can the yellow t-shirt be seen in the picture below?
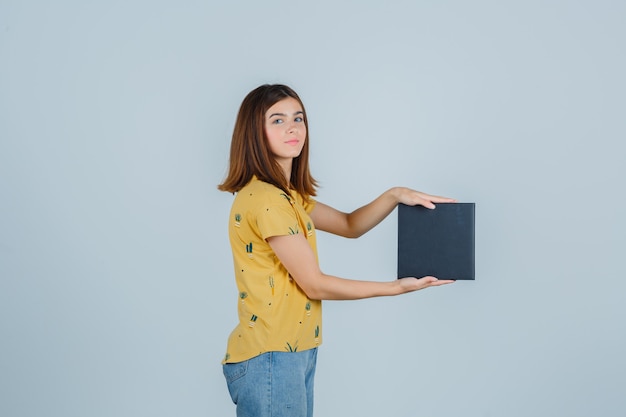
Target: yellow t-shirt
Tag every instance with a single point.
(274, 313)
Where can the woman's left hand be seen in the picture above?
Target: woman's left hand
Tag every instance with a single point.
(414, 198)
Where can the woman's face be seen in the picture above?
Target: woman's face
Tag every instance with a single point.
(285, 129)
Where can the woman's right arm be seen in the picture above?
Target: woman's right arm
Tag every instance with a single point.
(363, 219)
(295, 253)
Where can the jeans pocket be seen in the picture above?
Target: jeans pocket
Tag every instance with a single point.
(233, 372)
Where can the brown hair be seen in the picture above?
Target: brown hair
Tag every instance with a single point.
(249, 150)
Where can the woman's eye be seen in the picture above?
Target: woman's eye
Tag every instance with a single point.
(277, 121)
(299, 119)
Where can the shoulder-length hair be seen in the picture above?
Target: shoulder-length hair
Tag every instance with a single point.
(250, 153)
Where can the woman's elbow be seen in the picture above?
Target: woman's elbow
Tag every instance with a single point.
(353, 230)
(352, 233)
(313, 293)
(312, 288)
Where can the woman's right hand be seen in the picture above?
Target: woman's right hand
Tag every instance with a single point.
(415, 284)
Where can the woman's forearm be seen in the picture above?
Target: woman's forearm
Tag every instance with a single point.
(328, 287)
(363, 219)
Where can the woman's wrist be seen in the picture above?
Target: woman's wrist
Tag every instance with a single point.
(396, 287)
(396, 194)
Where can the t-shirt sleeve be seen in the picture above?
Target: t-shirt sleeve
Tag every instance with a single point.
(277, 218)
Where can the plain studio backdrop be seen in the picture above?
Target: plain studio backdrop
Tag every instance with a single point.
(116, 286)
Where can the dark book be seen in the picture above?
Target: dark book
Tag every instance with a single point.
(437, 242)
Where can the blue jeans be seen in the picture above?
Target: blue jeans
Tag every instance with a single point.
(273, 384)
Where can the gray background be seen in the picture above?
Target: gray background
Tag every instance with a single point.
(116, 289)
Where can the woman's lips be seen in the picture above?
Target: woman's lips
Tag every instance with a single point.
(292, 142)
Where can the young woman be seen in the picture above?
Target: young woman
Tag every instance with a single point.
(271, 354)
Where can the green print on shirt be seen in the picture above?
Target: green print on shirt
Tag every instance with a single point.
(237, 220)
(249, 250)
(290, 348)
(252, 321)
(293, 231)
(286, 196)
(243, 295)
(272, 284)
(308, 308)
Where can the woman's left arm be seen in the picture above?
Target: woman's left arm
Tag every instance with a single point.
(363, 219)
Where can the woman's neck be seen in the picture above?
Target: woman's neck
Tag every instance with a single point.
(286, 165)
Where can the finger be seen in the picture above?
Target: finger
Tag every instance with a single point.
(428, 204)
(440, 199)
(442, 282)
(432, 281)
(420, 201)
(427, 280)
